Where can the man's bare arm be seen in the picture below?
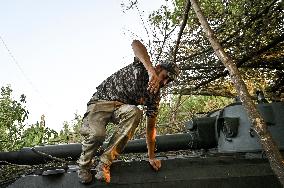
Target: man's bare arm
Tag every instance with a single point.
(151, 141)
(141, 53)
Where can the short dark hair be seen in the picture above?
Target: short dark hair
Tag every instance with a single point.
(172, 69)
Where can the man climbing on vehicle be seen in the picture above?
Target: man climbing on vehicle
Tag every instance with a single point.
(116, 100)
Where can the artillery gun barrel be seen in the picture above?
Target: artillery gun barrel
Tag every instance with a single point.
(30, 156)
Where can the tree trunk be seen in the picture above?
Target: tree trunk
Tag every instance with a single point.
(258, 124)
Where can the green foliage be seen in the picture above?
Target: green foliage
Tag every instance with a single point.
(14, 134)
(70, 132)
(12, 116)
(38, 134)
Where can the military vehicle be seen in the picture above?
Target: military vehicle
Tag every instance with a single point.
(218, 150)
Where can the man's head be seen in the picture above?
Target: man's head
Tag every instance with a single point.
(167, 72)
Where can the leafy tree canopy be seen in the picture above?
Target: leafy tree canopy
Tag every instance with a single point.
(250, 31)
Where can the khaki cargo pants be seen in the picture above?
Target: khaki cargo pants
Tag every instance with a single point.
(93, 130)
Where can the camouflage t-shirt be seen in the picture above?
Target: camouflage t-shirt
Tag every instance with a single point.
(129, 86)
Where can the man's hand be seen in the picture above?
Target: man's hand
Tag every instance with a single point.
(155, 163)
(154, 82)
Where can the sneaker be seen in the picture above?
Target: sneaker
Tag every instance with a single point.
(85, 175)
(103, 172)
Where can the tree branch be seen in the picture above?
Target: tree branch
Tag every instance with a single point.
(184, 22)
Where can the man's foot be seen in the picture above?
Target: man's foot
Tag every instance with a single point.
(85, 175)
(103, 172)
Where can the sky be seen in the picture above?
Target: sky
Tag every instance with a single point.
(57, 51)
